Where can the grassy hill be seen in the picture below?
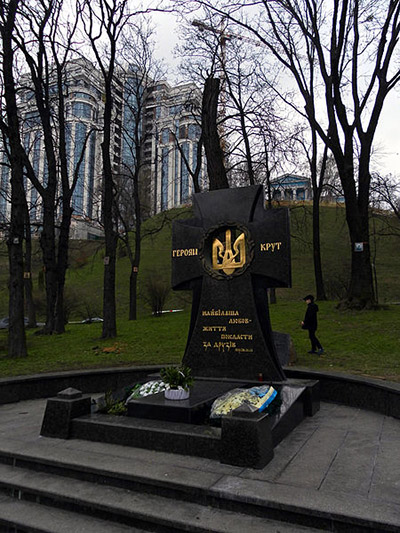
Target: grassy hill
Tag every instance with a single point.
(364, 343)
(85, 276)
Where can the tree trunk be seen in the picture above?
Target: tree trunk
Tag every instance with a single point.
(16, 331)
(47, 243)
(196, 173)
(361, 294)
(30, 306)
(212, 144)
(133, 294)
(62, 266)
(272, 295)
(138, 239)
(109, 304)
(361, 287)
(249, 160)
(319, 281)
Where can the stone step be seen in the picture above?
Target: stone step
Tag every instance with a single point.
(173, 437)
(112, 509)
(29, 517)
(211, 484)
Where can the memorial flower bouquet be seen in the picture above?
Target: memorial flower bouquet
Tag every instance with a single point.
(178, 379)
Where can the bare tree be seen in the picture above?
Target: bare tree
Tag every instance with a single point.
(317, 168)
(46, 53)
(10, 126)
(351, 47)
(139, 71)
(386, 192)
(104, 21)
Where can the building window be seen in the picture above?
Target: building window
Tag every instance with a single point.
(35, 165)
(92, 160)
(184, 174)
(77, 197)
(27, 138)
(175, 109)
(183, 133)
(32, 119)
(84, 96)
(165, 136)
(164, 178)
(176, 178)
(194, 132)
(288, 194)
(82, 110)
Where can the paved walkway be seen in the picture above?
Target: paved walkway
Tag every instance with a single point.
(343, 457)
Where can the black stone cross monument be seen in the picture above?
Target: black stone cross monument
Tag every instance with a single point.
(228, 255)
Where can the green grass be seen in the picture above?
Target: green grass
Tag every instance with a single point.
(146, 341)
(365, 343)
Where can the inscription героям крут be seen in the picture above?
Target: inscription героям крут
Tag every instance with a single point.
(270, 246)
(185, 252)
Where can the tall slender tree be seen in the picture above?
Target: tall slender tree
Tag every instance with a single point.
(140, 71)
(47, 52)
(104, 22)
(11, 128)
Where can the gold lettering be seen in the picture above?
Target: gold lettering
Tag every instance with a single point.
(239, 321)
(219, 312)
(270, 246)
(214, 329)
(222, 346)
(185, 252)
(237, 337)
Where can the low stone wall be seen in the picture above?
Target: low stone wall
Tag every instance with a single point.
(355, 391)
(366, 393)
(46, 385)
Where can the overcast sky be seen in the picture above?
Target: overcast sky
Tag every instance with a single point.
(387, 139)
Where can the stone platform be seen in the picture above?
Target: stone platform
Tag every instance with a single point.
(183, 427)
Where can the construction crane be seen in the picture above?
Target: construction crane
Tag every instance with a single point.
(225, 36)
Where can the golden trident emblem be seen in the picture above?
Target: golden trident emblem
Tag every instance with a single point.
(228, 258)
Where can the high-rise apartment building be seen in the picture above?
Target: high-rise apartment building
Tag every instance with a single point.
(171, 125)
(173, 117)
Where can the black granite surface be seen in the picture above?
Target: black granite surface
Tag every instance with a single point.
(160, 435)
(60, 411)
(229, 255)
(244, 439)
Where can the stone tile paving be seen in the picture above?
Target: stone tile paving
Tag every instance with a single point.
(341, 449)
